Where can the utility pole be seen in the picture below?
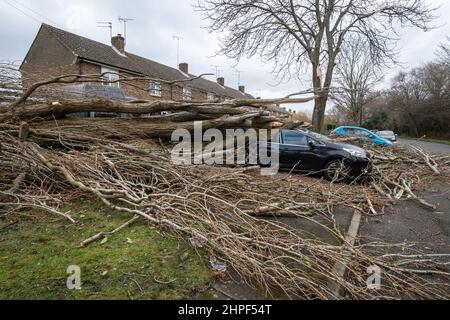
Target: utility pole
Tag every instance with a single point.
(106, 25)
(216, 67)
(178, 38)
(125, 21)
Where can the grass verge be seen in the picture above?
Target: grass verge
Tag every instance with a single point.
(441, 141)
(447, 142)
(138, 262)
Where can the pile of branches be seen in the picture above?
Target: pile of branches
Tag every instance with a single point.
(218, 209)
(399, 170)
(61, 96)
(231, 213)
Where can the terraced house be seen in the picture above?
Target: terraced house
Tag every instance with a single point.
(56, 52)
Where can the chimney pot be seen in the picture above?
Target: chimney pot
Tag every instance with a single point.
(184, 67)
(119, 43)
(221, 81)
(242, 89)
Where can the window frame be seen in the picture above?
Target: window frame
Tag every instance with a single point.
(363, 134)
(155, 89)
(299, 134)
(186, 94)
(107, 76)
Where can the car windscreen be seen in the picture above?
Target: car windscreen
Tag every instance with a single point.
(385, 133)
(318, 136)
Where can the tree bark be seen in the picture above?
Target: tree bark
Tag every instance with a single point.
(321, 93)
(319, 114)
(228, 107)
(120, 129)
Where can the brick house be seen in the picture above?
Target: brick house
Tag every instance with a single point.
(57, 52)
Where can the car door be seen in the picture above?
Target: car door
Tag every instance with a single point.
(295, 152)
(364, 135)
(349, 132)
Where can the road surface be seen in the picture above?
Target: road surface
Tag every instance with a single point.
(429, 146)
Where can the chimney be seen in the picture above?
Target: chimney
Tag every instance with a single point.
(242, 89)
(119, 43)
(221, 81)
(184, 67)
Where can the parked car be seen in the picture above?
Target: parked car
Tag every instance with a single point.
(388, 135)
(304, 152)
(92, 91)
(361, 133)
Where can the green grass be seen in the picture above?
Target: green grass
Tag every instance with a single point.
(441, 141)
(447, 142)
(141, 262)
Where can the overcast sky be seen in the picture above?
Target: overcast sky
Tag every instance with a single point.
(156, 22)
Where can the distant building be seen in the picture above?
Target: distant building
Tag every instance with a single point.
(277, 111)
(56, 52)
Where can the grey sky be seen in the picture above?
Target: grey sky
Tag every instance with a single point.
(156, 21)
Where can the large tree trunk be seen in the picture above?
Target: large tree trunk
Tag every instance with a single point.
(319, 113)
(320, 103)
(123, 129)
(204, 109)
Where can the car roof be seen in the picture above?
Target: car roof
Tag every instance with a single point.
(352, 127)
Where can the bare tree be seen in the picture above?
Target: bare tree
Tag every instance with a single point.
(421, 98)
(406, 91)
(356, 79)
(298, 33)
(443, 52)
(435, 79)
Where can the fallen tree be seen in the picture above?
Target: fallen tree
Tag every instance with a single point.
(140, 107)
(157, 119)
(49, 93)
(218, 208)
(46, 162)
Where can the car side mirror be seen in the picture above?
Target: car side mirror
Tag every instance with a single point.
(312, 145)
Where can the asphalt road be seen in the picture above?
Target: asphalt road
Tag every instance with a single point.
(429, 146)
(408, 220)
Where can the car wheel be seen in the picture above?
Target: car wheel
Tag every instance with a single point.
(337, 171)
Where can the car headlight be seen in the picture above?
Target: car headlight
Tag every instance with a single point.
(356, 153)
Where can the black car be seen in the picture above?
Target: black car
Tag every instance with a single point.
(309, 152)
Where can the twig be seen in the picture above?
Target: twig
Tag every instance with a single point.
(107, 234)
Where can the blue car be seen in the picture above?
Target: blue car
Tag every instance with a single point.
(361, 133)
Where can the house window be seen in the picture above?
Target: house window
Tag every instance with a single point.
(211, 97)
(110, 77)
(155, 89)
(187, 94)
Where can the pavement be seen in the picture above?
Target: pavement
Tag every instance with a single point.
(409, 221)
(234, 288)
(406, 221)
(429, 146)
